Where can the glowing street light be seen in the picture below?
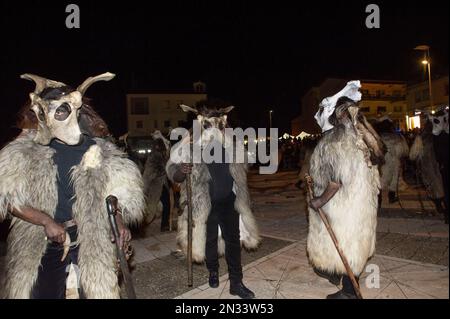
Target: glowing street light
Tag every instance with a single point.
(426, 61)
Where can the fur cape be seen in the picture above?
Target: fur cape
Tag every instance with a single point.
(201, 206)
(352, 212)
(154, 181)
(29, 178)
(422, 152)
(397, 148)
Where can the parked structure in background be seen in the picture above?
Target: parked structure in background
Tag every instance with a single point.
(378, 98)
(418, 99)
(151, 110)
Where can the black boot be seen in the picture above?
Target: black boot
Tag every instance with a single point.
(213, 279)
(347, 292)
(238, 289)
(334, 279)
(392, 197)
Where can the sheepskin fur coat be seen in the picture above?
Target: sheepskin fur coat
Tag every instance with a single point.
(28, 177)
(352, 211)
(201, 206)
(397, 148)
(422, 152)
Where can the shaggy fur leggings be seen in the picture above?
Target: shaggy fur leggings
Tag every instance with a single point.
(223, 214)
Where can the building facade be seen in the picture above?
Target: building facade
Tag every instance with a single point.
(379, 98)
(418, 95)
(159, 110)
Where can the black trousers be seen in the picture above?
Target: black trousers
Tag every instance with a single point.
(52, 273)
(165, 200)
(223, 214)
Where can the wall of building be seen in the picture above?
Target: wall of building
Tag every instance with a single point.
(379, 98)
(158, 111)
(418, 94)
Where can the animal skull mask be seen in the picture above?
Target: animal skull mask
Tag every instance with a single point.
(328, 104)
(439, 121)
(212, 122)
(57, 107)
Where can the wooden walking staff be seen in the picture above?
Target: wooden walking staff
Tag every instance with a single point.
(309, 183)
(189, 247)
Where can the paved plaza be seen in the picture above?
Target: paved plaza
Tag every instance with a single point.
(411, 258)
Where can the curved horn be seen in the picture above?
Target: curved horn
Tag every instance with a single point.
(41, 83)
(91, 80)
(226, 110)
(187, 108)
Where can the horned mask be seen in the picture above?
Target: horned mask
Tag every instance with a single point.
(439, 121)
(328, 105)
(212, 123)
(57, 108)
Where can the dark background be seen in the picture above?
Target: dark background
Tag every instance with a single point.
(255, 56)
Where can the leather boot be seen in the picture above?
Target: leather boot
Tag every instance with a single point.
(238, 289)
(213, 279)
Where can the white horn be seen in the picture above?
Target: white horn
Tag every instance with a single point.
(91, 80)
(41, 83)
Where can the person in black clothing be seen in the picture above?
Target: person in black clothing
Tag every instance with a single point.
(221, 204)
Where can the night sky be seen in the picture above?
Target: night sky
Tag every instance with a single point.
(252, 55)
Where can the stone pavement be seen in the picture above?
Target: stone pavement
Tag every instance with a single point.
(287, 274)
(411, 255)
(411, 258)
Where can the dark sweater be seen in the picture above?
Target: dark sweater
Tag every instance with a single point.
(66, 157)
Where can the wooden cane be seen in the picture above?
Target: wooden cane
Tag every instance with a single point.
(309, 184)
(189, 246)
(171, 206)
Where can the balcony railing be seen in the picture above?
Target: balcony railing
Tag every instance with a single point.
(383, 97)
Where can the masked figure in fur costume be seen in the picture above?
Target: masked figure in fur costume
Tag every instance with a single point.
(156, 185)
(430, 152)
(397, 149)
(54, 180)
(346, 186)
(220, 197)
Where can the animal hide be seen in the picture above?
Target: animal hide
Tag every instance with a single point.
(154, 175)
(201, 206)
(422, 152)
(340, 156)
(29, 178)
(397, 148)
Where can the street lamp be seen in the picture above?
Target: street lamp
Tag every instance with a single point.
(270, 119)
(427, 61)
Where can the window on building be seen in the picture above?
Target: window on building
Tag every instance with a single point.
(139, 106)
(139, 124)
(398, 108)
(167, 123)
(380, 93)
(397, 93)
(365, 109)
(365, 92)
(381, 109)
(155, 124)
